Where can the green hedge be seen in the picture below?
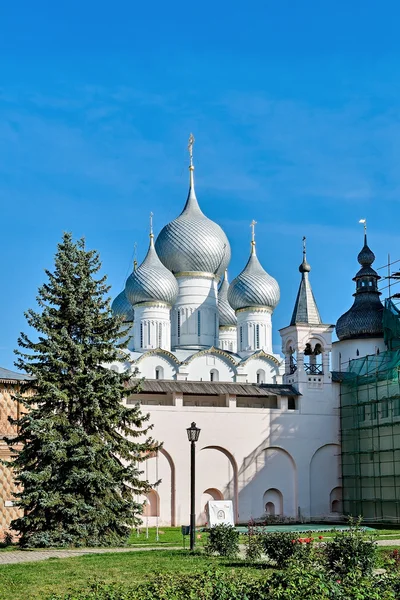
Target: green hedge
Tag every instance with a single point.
(295, 583)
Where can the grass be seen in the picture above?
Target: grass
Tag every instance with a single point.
(34, 581)
(168, 536)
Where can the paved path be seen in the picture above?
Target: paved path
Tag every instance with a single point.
(22, 556)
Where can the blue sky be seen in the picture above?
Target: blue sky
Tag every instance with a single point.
(296, 113)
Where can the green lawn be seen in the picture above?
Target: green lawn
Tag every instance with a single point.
(34, 581)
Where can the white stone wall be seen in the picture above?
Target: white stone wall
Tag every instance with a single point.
(250, 456)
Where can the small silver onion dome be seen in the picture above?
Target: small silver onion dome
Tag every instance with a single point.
(364, 318)
(227, 315)
(121, 307)
(151, 281)
(192, 242)
(253, 287)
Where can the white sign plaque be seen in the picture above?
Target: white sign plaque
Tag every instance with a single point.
(220, 511)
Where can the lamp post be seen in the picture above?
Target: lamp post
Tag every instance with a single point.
(193, 433)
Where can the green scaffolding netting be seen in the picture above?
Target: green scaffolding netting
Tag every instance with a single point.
(370, 429)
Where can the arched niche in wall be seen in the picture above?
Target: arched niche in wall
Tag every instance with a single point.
(223, 476)
(273, 502)
(207, 496)
(324, 477)
(280, 472)
(336, 500)
(152, 504)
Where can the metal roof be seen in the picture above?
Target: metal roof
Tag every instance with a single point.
(215, 388)
(7, 376)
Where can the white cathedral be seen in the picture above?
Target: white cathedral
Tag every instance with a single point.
(270, 435)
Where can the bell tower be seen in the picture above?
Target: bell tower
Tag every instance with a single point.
(307, 342)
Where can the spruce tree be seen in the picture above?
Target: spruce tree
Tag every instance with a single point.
(77, 452)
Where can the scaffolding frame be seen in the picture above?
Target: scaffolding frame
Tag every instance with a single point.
(370, 429)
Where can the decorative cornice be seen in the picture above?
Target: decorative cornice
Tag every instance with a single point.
(156, 352)
(232, 328)
(155, 304)
(200, 274)
(259, 309)
(211, 350)
(260, 354)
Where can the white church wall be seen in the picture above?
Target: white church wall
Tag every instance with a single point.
(346, 350)
(148, 366)
(207, 366)
(261, 370)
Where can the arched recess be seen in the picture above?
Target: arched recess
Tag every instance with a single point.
(324, 477)
(336, 500)
(214, 375)
(227, 485)
(210, 494)
(173, 485)
(152, 504)
(260, 376)
(159, 372)
(273, 502)
(281, 474)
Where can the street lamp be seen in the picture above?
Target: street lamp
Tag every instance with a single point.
(193, 433)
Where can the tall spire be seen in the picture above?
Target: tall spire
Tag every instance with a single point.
(305, 308)
(253, 236)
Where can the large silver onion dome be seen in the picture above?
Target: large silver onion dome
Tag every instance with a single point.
(121, 307)
(192, 242)
(151, 281)
(253, 287)
(227, 317)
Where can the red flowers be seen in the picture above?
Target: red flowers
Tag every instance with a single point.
(303, 540)
(320, 537)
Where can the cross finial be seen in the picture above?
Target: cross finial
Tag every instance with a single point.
(304, 246)
(135, 256)
(253, 234)
(364, 222)
(190, 148)
(151, 224)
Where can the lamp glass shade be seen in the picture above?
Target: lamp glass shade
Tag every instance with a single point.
(193, 433)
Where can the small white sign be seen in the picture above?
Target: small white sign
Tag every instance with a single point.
(8, 503)
(220, 511)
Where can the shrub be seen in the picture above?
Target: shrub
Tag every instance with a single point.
(8, 538)
(223, 540)
(254, 542)
(282, 547)
(352, 550)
